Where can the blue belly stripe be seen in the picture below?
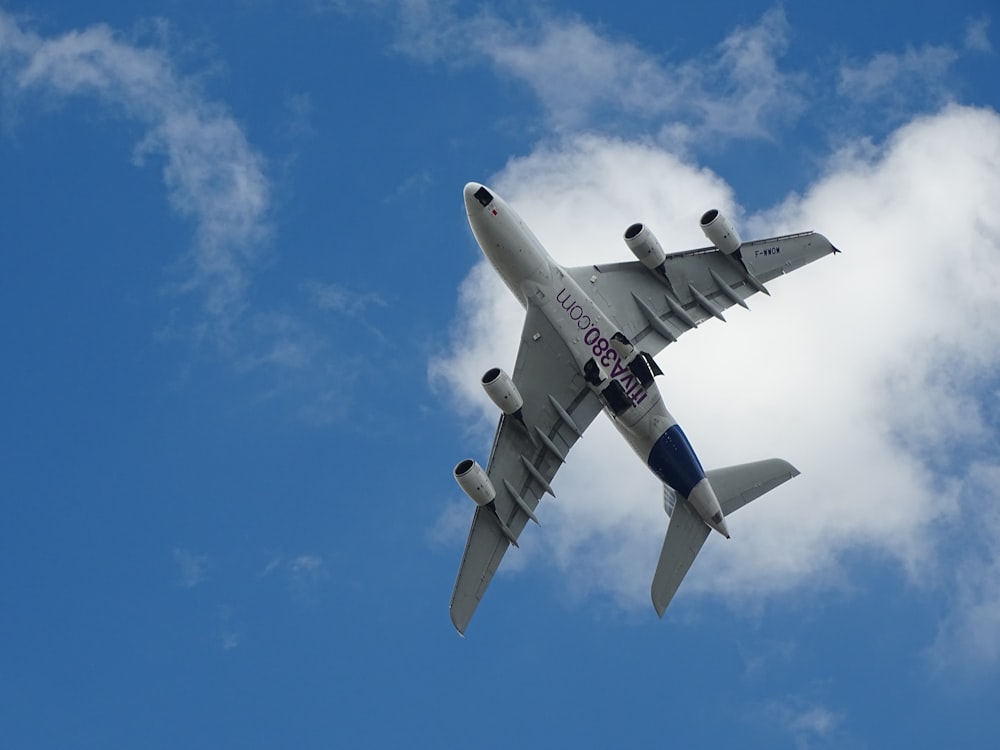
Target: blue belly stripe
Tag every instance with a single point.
(672, 459)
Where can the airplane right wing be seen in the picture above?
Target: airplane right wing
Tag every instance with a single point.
(696, 285)
(558, 407)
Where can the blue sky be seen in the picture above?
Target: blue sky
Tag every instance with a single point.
(244, 320)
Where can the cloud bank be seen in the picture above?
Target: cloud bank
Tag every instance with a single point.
(873, 371)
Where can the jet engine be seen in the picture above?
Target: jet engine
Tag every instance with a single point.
(644, 246)
(474, 482)
(502, 391)
(720, 231)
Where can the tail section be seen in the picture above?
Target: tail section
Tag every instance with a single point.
(735, 486)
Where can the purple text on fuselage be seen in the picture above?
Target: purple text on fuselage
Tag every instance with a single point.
(601, 348)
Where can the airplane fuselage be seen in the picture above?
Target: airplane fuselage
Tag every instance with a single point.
(618, 373)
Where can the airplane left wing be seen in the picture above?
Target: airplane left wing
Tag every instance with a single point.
(526, 454)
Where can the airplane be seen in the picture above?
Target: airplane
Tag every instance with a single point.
(590, 334)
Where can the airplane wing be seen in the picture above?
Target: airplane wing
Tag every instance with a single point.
(558, 407)
(698, 284)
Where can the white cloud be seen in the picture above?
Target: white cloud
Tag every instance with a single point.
(212, 174)
(587, 78)
(866, 370)
(581, 74)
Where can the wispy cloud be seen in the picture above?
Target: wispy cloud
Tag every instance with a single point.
(214, 179)
(230, 636)
(302, 573)
(340, 299)
(213, 176)
(582, 76)
(897, 75)
(808, 723)
(586, 78)
(895, 84)
(285, 343)
(193, 567)
(977, 36)
(969, 637)
(306, 566)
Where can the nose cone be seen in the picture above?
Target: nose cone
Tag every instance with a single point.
(477, 197)
(469, 192)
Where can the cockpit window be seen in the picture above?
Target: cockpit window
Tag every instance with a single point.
(484, 197)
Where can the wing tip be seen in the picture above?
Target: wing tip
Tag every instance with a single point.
(660, 609)
(786, 466)
(461, 623)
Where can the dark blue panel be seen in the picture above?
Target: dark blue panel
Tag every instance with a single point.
(673, 460)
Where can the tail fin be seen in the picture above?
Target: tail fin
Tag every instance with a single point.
(735, 486)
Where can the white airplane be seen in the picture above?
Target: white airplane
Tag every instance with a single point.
(588, 342)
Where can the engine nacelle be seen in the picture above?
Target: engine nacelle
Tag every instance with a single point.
(720, 231)
(644, 246)
(502, 391)
(474, 482)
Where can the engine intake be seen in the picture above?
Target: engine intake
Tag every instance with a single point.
(474, 482)
(644, 246)
(502, 391)
(720, 231)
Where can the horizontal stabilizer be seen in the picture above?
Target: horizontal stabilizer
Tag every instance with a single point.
(735, 486)
(686, 534)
